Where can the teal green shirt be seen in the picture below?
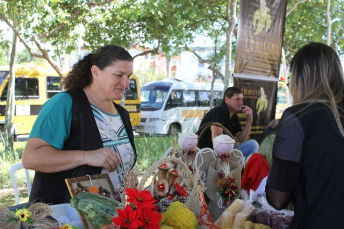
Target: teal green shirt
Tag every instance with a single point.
(53, 122)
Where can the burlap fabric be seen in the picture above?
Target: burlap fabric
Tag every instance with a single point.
(206, 156)
(169, 152)
(216, 206)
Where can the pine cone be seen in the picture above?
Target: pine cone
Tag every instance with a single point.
(163, 204)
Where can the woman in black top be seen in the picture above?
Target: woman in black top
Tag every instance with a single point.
(308, 153)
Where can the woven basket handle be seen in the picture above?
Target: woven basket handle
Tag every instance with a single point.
(225, 130)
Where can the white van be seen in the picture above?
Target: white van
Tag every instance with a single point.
(171, 106)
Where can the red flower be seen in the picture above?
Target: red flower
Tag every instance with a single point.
(128, 218)
(150, 218)
(140, 199)
(181, 190)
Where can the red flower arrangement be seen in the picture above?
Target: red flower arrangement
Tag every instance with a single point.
(143, 216)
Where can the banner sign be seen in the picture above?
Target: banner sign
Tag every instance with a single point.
(260, 35)
(261, 97)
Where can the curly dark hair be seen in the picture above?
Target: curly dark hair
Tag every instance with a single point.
(80, 76)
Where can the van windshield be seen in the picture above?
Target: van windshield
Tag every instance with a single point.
(153, 97)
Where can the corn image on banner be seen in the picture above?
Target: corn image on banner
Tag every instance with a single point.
(261, 96)
(260, 35)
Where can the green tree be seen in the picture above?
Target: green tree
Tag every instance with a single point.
(25, 57)
(147, 74)
(53, 28)
(4, 49)
(317, 20)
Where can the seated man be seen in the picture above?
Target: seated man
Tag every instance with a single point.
(226, 114)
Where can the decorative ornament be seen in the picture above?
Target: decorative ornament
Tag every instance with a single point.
(173, 175)
(227, 189)
(170, 196)
(161, 187)
(187, 141)
(181, 190)
(163, 165)
(223, 145)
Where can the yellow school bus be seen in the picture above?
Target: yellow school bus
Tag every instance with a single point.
(132, 101)
(34, 86)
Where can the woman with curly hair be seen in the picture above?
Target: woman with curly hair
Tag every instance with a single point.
(308, 152)
(82, 131)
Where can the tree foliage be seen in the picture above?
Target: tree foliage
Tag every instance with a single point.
(51, 27)
(147, 74)
(308, 22)
(4, 49)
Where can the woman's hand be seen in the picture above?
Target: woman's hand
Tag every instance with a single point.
(103, 157)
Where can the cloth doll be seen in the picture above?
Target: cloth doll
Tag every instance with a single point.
(187, 141)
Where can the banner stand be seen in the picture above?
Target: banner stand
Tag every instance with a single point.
(260, 94)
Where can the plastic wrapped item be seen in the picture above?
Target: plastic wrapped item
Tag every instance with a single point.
(236, 214)
(270, 217)
(241, 216)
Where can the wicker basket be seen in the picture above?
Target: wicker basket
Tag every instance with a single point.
(225, 130)
(191, 181)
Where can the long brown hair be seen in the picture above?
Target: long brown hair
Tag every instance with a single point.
(317, 77)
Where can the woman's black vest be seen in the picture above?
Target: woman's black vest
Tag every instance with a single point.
(84, 135)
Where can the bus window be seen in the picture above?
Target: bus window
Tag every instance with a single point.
(217, 98)
(25, 88)
(131, 91)
(53, 86)
(189, 99)
(203, 98)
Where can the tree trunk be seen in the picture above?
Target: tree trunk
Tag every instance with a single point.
(168, 60)
(329, 23)
(9, 128)
(232, 19)
(214, 75)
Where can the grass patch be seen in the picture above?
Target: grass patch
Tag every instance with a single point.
(150, 150)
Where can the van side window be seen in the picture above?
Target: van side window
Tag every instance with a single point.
(189, 99)
(53, 86)
(217, 98)
(204, 98)
(174, 100)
